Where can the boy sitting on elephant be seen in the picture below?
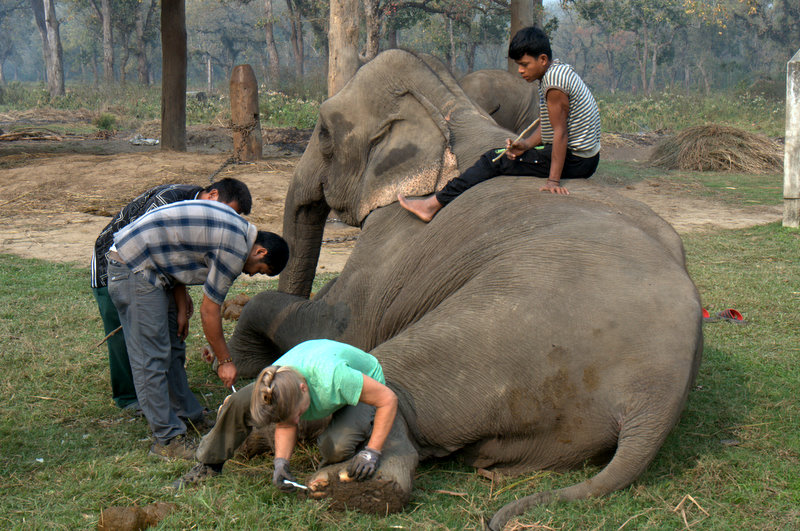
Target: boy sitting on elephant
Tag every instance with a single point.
(566, 145)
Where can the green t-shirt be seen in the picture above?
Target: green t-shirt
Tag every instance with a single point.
(334, 374)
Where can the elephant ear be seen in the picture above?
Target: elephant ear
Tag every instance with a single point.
(409, 153)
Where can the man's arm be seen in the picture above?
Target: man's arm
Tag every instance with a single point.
(558, 111)
(211, 317)
(179, 293)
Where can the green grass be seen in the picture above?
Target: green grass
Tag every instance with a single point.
(298, 107)
(134, 103)
(736, 188)
(670, 112)
(67, 452)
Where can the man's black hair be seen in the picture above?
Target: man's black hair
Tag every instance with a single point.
(231, 190)
(532, 41)
(277, 251)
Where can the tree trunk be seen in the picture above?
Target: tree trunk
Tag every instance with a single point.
(391, 37)
(143, 17)
(521, 17)
(538, 13)
(173, 75)
(209, 75)
(651, 87)
(705, 75)
(296, 38)
(343, 44)
(44, 12)
(372, 19)
(471, 50)
(95, 70)
(126, 53)
(108, 42)
(272, 48)
(452, 38)
(2, 74)
(55, 70)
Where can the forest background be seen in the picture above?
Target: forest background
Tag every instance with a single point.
(640, 47)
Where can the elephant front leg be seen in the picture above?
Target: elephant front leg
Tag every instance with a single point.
(389, 490)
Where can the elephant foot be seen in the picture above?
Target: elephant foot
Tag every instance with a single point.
(378, 495)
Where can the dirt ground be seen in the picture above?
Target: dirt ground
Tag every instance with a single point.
(56, 195)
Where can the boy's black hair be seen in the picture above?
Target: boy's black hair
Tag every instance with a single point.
(532, 41)
(277, 251)
(231, 190)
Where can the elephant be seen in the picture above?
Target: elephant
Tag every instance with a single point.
(520, 330)
(509, 99)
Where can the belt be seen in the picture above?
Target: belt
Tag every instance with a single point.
(114, 255)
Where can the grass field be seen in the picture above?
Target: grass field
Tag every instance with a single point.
(734, 459)
(733, 462)
(665, 112)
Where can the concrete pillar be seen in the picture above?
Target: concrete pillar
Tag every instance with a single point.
(245, 119)
(791, 161)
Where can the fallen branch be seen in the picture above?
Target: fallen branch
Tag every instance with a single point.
(117, 329)
(451, 493)
(680, 507)
(31, 135)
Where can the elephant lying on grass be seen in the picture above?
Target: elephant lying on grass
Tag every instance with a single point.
(520, 330)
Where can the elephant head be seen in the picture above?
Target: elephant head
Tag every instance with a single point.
(509, 99)
(402, 124)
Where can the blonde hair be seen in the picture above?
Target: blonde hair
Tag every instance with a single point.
(276, 395)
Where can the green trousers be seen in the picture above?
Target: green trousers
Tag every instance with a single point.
(122, 389)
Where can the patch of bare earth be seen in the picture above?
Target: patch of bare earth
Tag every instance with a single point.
(55, 198)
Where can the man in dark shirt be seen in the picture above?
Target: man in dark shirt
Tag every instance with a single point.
(232, 192)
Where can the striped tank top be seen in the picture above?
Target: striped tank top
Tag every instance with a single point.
(583, 122)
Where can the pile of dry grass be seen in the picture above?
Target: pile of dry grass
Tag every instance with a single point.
(718, 148)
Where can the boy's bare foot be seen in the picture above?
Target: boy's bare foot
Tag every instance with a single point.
(424, 209)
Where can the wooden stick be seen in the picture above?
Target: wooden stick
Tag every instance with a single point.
(520, 137)
(117, 329)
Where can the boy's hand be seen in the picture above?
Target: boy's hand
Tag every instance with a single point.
(554, 187)
(514, 149)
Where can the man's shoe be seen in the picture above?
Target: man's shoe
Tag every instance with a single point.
(199, 472)
(201, 425)
(134, 409)
(179, 447)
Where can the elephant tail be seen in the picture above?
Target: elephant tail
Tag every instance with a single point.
(637, 446)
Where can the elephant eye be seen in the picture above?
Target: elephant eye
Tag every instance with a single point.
(325, 142)
(383, 130)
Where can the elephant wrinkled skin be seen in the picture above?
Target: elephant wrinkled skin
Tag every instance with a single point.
(520, 330)
(510, 100)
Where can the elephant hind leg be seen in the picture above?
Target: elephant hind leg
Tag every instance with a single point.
(639, 441)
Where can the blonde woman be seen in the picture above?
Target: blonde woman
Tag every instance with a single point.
(311, 381)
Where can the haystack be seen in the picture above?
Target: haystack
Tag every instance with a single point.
(718, 148)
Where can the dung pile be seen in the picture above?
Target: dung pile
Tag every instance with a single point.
(718, 148)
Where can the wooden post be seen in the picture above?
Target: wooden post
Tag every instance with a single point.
(791, 161)
(245, 119)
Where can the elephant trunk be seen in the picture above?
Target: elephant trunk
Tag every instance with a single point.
(303, 225)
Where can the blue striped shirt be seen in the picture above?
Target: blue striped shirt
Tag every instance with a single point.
(583, 122)
(191, 242)
(150, 200)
